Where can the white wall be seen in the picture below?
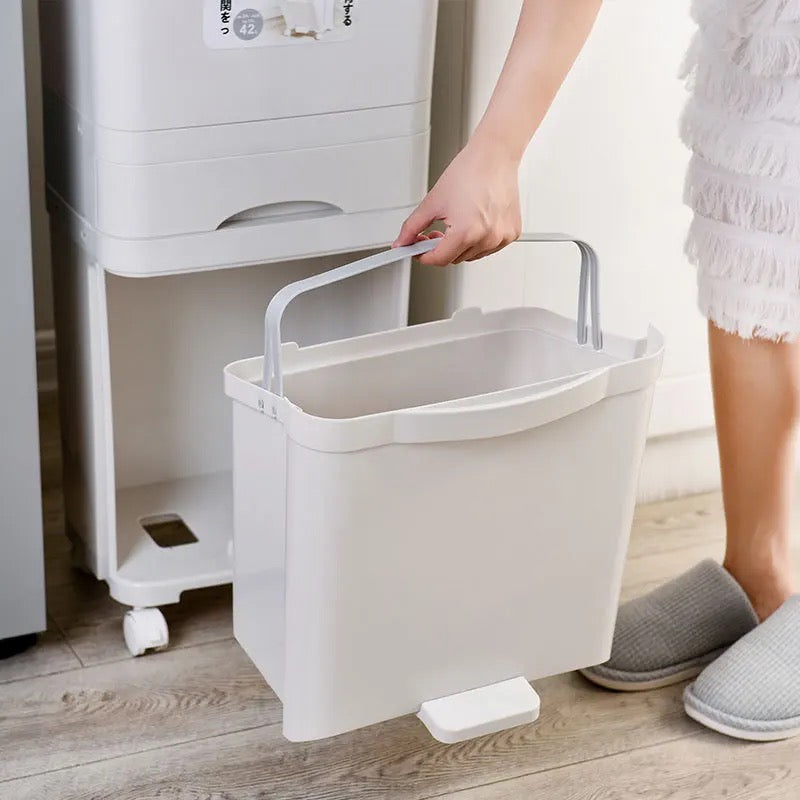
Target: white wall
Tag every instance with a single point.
(608, 163)
(608, 166)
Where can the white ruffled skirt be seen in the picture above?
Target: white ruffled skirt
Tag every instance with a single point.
(743, 125)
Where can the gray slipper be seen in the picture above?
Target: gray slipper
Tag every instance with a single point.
(673, 633)
(753, 691)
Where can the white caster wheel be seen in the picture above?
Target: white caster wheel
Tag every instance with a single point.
(145, 629)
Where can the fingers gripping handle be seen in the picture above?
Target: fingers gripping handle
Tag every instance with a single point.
(272, 379)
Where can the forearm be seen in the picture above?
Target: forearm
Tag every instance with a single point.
(549, 37)
(477, 197)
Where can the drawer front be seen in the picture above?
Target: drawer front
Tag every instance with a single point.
(301, 185)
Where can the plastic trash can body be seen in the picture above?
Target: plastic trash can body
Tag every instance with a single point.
(422, 512)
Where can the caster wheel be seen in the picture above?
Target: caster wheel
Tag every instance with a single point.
(145, 629)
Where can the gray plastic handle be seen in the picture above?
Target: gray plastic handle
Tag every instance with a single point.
(272, 378)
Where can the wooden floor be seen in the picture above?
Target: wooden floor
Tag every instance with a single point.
(80, 719)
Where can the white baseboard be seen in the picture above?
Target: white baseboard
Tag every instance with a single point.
(46, 360)
(679, 465)
(681, 457)
(682, 404)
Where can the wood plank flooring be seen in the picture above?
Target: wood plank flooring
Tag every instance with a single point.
(80, 720)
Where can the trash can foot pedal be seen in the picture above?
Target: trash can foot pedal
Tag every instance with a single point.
(481, 711)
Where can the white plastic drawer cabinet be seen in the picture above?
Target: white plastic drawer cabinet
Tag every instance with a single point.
(429, 511)
(173, 146)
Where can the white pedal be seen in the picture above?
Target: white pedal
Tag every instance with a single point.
(479, 712)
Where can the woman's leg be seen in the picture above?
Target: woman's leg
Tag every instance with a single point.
(757, 406)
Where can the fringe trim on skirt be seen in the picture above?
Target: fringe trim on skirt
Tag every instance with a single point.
(743, 184)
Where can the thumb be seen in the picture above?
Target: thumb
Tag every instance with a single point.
(415, 225)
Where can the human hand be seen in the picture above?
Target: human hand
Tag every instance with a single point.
(477, 198)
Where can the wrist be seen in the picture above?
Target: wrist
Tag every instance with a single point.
(495, 151)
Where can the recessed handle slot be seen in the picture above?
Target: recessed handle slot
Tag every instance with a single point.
(291, 211)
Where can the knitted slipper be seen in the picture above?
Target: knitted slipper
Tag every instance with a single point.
(673, 633)
(753, 691)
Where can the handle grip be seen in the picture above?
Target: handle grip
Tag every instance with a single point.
(272, 378)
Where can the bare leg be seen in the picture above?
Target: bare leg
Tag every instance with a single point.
(757, 406)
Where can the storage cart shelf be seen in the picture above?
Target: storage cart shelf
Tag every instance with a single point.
(150, 575)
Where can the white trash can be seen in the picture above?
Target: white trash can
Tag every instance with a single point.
(427, 511)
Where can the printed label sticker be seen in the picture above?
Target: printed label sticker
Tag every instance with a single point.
(231, 24)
